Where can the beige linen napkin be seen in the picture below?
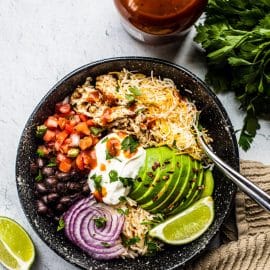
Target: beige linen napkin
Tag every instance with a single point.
(251, 251)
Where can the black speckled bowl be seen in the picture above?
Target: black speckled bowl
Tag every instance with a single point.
(214, 118)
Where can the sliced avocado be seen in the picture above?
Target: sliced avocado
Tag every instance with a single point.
(208, 184)
(167, 181)
(193, 195)
(154, 156)
(165, 155)
(188, 178)
(138, 181)
(181, 175)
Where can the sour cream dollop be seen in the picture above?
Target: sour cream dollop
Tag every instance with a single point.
(115, 167)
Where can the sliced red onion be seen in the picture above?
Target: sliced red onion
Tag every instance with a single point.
(100, 243)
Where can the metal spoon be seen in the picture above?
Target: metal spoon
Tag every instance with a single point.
(253, 191)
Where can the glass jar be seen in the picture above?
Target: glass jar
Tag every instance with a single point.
(159, 21)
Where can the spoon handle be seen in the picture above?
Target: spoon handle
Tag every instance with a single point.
(253, 191)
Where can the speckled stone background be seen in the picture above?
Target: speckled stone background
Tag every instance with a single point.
(40, 42)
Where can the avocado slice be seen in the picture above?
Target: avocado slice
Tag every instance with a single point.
(151, 172)
(208, 184)
(187, 184)
(167, 182)
(180, 176)
(192, 195)
(158, 183)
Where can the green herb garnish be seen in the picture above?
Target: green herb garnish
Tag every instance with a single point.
(105, 140)
(96, 130)
(130, 143)
(39, 177)
(100, 222)
(97, 182)
(126, 181)
(61, 224)
(52, 162)
(123, 211)
(135, 91)
(40, 152)
(236, 38)
(40, 131)
(129, 241)
(105, 244)
(113, 176)
(122, 199)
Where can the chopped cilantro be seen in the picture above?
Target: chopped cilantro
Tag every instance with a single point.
(105, 244)
(61, 224)
(129, 241)
(130, 143)
(122, 199)
(134, 90)
(40, 131)
(105, 140)
(52, 163)
(126, 181)
(100, 222)
(40, 152)
(123, 211)
(96, 130)
(113, 176)
(97, 181)
(39, 177)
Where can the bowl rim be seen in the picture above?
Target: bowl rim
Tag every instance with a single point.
(131, 58)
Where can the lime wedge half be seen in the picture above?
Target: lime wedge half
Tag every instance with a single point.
(16, 247)
(187, 225)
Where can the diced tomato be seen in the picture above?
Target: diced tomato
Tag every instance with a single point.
(51, 122)
(49, 135)
(86, 160)
(74, 120)
(106, 117)
(82, 128)
(60, 157)
(97, 196)
(90, 123)
(95, 140)
(79, 162)
(62, 122)
(64, 148)
(65, 165)
(86, 142)
(83, 117)
(113, 146)
(60, 138)
(69, 128)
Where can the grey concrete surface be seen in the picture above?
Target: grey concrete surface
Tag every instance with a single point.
(40, 42)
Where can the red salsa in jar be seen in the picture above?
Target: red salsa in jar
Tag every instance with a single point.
(146, 19)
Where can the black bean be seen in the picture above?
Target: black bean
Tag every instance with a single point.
(61, 187)
(40, 162)
(86, 189)
(33, 168)
(41, 188)
(42, 208)
(66, 200)
(62, 176)
(48, 171)
(51, 181)
(52, 197)
(60, 207)
(72, 186)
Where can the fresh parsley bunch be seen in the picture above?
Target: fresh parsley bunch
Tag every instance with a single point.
(236, 38)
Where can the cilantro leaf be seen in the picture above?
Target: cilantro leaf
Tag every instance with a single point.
(100, 222)
(97, 181)
(61, 224)
(130, 143)
(113, 176)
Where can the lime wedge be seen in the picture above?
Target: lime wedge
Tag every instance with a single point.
(16, 247)
(187, 225)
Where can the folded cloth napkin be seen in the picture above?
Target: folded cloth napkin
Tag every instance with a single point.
(246, 246)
